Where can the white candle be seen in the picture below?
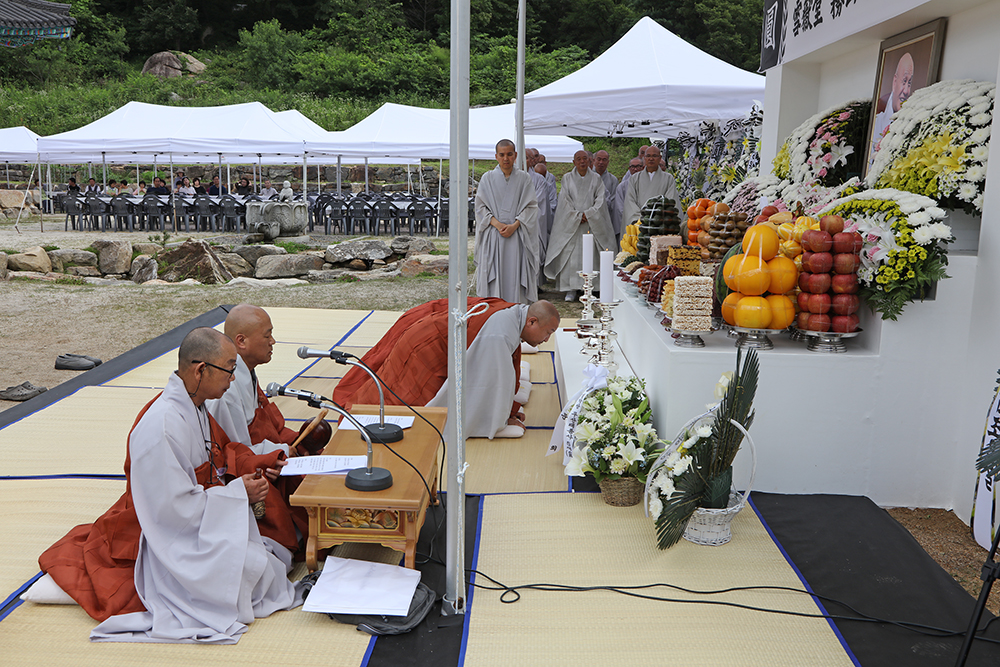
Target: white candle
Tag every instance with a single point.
(607, 273)
(588, 253)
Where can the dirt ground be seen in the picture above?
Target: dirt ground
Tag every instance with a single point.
(39, 321)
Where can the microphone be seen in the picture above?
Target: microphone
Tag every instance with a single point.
(275, 389)
(381, 431)
(306, 352)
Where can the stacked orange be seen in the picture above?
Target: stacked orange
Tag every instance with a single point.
(760, 279)
(696, 212)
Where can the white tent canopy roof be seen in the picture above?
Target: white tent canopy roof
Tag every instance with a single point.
(140, 132)
(18, 144)
(649, 83)
(405, 131)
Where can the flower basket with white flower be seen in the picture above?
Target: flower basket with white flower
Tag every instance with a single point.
(615, 439)
(689, 490)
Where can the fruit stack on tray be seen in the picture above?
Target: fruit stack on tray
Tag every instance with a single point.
(657, 217)
(828, 300)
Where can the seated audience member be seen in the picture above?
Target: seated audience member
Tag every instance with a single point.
(412, 359)
(178, 179)
(140, 189)
(124, 188)
(179, 557)
(92, 187)
(159, 188)
(71, 187)
(243, 188)
(112, 188)
(214, 189)
(267, 192)
(199, 189)
(185, 188)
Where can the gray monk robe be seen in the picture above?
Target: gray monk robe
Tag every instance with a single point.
(507, 268)
(611, 186)
(544, 216)
(579, 195)
(641, 188)
(203, 571)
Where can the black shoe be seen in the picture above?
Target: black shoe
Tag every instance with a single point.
(65, 362)
(97, 362)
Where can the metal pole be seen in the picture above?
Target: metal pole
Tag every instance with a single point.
(458, 179)
(219, 193)
(41, 220)
(305, 177)
(338, 175)
(522, 18)
(104, 171)
(366, 173)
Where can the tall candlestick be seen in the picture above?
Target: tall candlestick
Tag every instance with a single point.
(607, 275)
(588, 253)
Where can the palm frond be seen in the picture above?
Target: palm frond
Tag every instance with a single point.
(737, 405)
(677, 510)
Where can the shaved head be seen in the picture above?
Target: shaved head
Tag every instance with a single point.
(541, 322)
(244, 319)
(249, 327)
(202, 344)
(504, 143)
(543, 311)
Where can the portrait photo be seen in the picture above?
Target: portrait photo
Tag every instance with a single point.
(907, 62)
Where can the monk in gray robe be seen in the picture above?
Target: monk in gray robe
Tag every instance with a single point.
(634, 165)
(601, 159)
(582, 209)
(544, 220)
(550, 178)
(506, 251)
(644, 185)
(203, 571)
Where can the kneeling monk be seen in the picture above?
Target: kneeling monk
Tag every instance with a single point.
(179, 558)
(412, 359)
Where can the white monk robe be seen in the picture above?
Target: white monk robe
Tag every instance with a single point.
(507, 267)
(544, 217)
(236, 409)
(579, 195)
(203, 571)
(489, 382)
(611, 187)
(643, 187)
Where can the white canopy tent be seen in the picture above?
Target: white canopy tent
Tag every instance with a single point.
(406, 131)
(18, 145)
(649, 83)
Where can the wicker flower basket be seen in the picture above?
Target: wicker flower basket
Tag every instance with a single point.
(710, 527)
(622, 492)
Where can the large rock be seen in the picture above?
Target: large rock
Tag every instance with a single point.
(286, 266)
(33, 259)
(251, 253)
(411, 245)
(164, 65)
(114, 256)
(362, 249)
(414, 266)
(69, 257)
(274, 219)
(143, 269)
(236, 265)
(13, 199)
(197, 260)
(3, 266)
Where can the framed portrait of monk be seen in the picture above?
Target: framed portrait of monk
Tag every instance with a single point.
(907, 62)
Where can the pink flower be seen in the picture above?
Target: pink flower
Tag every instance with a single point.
(828, 137)
(851, 226)
(871, 238)
(827, 157)
(844, 116)
(822, 172)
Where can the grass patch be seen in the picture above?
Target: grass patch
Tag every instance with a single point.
(92, 249)
(69, 280)
(10, 251)
(347, 279)
(49, 248)
(438, 252)
(291, 247)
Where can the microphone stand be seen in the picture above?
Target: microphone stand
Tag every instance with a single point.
(381, 431)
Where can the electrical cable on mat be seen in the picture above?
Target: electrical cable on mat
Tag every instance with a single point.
(511, 594)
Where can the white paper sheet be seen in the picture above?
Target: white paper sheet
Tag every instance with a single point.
(358, 587)
(368, 420)
(323, 465)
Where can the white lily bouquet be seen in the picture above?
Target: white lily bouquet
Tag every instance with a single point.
(695, 470)
(615, 438)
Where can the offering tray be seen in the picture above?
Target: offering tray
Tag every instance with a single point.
(755, 339)
(828, 341)
(685, 338)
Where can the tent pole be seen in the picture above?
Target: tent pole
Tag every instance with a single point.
(338, 176)
(104, 171)
(41, 220)
(454, 597)
(229, 177)
(260, 174)
(23, 199)
(522, 12)
(7, 164)
(366, 173)
(440, 172)
(305, 178)
(219, 193)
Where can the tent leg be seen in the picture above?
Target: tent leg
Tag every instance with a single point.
(338, 177)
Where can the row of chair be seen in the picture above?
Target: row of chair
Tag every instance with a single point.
(335, 214)
(153, 214)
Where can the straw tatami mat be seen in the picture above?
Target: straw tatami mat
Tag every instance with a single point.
(315, 327)
(575, 539)
(38, 512)
(83, 433)
(513, 465)
(153, 373)
(542, 369)
(371, 330)
(542, 408)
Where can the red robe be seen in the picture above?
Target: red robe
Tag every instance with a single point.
(412, 357)
(95, 563)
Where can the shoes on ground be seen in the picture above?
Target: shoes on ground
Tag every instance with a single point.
(21, 392)
(572, 295)
(76, 362)
(510, 431)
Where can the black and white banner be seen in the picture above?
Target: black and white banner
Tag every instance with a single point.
(794, 28)
(984, 503)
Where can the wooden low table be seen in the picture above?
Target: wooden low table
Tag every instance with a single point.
(391, 517)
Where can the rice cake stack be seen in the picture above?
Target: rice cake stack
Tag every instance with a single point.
(659, 248)
(685, 258)
(667, 299)
(692, 304)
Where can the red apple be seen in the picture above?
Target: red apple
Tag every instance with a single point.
(806, 254)
(846, 262)
(802, 321)
(819, 262)
(845, 304)
(819, 303)
(819, 283)
(760, 218)
(768, 211)
(831, 224)
(804, 280)
(818, 322)
(844, 242)
(844, 323)
(844, 283)
(817, 240)
(803, 301)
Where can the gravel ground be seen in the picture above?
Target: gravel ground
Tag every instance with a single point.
(39, 321)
